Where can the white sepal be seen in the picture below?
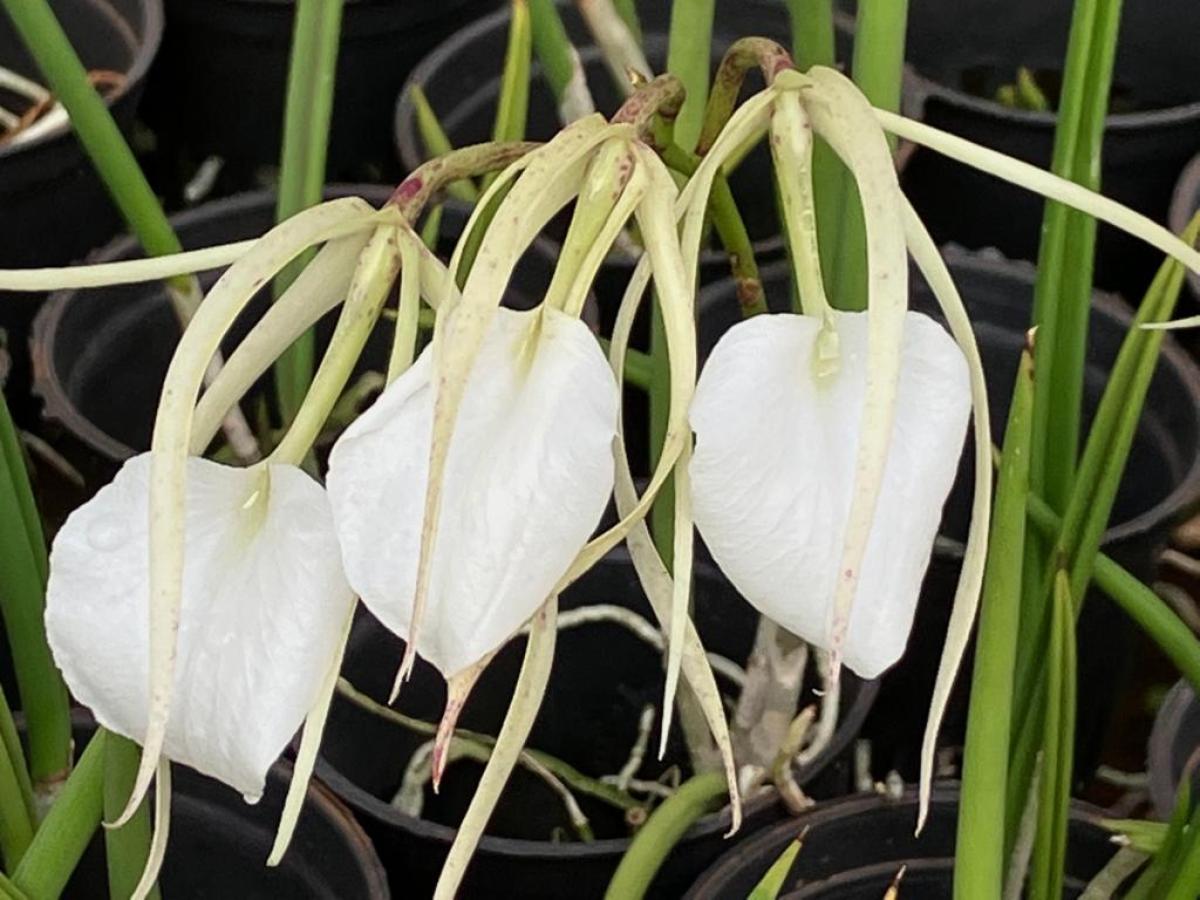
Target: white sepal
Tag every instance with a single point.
(264, 599)
(528, 474)
(774, 472)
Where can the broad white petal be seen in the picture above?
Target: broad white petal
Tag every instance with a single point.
(264, 601)
(773, 474)
(528, 474)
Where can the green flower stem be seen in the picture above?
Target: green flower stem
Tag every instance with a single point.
(731, 231)
(67, 828)
(126, 847)
(695, 798)
(22, 603)
(309, 106)
(877, 67)
(688, 53)
(1062, 295)
(979, 857)
(743, 55)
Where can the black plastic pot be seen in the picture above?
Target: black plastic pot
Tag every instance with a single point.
(854, 847)
(219, 844)
(1161, 485)
(219, 88)
(53, 206)
(1184, 204)
(461, 78)
(602, 678)
(1174, 748)
(961, 52)
(100, 355)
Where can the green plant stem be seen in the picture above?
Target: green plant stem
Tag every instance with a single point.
(14, 460)
(731, 231)
(513, 105)
(812, 32)
(10, 741)
(308, 109)
(127, 847)
(979, 856)
(67, 828)
(22, 604)
(437, 143)
(1058, 744)
(696, 797)
(1160, 623)
(1184, 883)
(16, 823)
(1062, 293)
(1089, 504)
(878, 65)
(553, 47)
(689, 50)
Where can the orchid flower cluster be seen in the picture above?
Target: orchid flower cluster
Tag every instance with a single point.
(202, 609)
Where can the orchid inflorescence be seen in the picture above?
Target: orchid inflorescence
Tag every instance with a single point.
(202, 609)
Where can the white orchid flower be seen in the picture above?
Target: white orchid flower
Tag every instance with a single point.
(528, 475)
(264, 606)
(854, 423)
(248, 561)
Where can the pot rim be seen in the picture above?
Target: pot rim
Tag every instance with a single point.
(48, 386)
(1159, 749)
(378, 810)
(942, 792)
(449, 52)
(1185, 495)
(148, 39)
(324, 801)
(1185, 202)
(920, 88)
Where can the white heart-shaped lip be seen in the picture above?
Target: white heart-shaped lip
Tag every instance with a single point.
(264, 605)
(774, 468)
(529, 472)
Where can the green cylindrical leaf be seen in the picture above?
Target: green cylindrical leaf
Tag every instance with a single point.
(68, 827)
(979, 855)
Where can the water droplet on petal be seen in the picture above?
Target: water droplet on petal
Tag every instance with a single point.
(105, 535)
